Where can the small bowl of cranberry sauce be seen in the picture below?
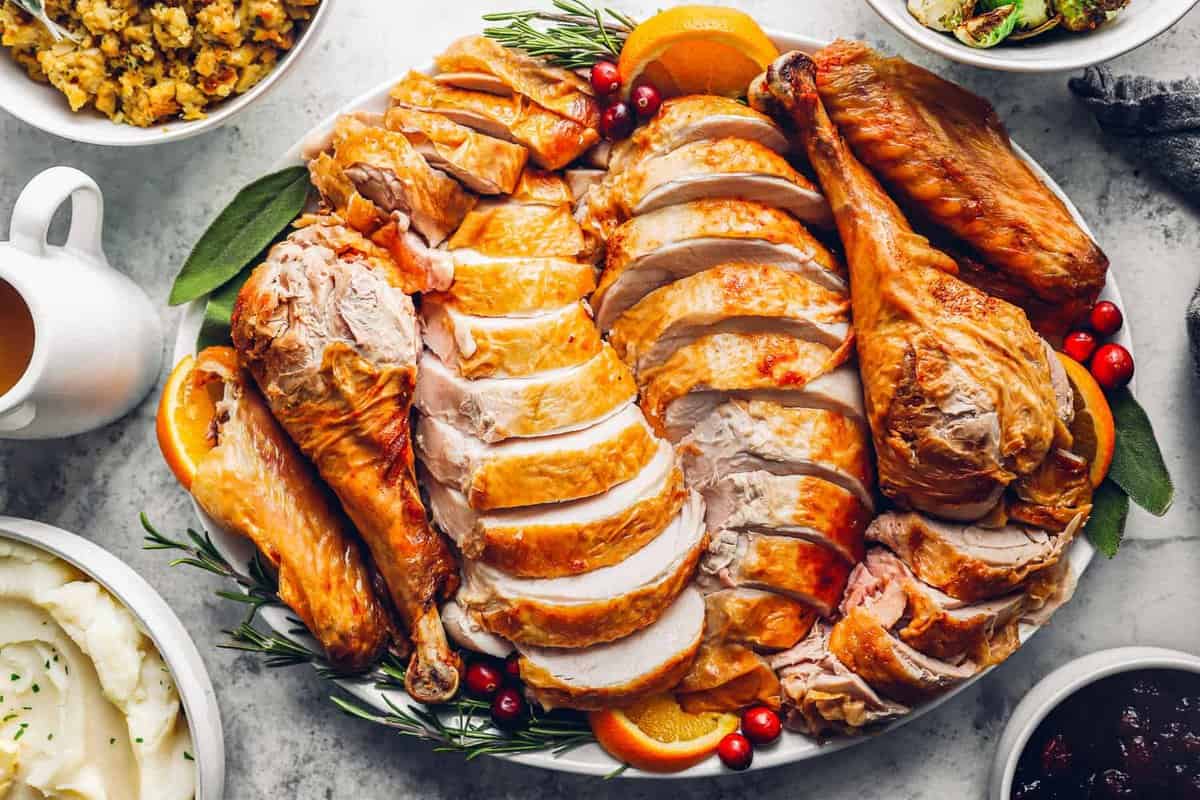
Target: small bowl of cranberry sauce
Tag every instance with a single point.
(1116, 725)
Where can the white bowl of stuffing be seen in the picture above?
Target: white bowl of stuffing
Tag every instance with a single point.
(136, 72)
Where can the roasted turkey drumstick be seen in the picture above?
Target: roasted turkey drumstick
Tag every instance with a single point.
(958, 387)
(334, 346)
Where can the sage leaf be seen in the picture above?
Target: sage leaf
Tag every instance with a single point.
(218, 310)
(1106, 526)
(1138, 465)
(259, 213)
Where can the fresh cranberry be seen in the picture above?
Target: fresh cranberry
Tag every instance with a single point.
(761, 725)
(646, 100)
(616, 122)
(606, 78)
(1112, 366)
(735, 751)
(483, 679)
(1169, 740)
(512, 668)
(508, 709)
(1056, 756)
(1079, 345)
(1106, 318)
(1137, 757)
(1190, 742)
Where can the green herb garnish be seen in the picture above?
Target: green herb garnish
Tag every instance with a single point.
(576, 35)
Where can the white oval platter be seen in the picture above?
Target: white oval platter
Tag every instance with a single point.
(591, 759)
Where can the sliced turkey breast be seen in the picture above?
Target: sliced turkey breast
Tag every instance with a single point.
(862, 642)
(553, 88)
(821, 696)
(383, 167)
(502, 347)
(738, 168)
(466, 632)
(475, 82)
(725, 676)
(790, 505)
(838, 391)
(553, 141)
(545, 469)
(582, 181)
(618, 673)
(491, 286)
(792, 567)
(741, 436)
(933, 622)
(508, 228)
(740, 362)
(547, 403)
(730, 298)
(539, 187)
(654, 249)
(966, 561)
(557, 539)
(683, 120)
(599, 606)
(483, 164)
(761, 620)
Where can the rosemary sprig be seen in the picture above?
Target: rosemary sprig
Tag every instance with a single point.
(576, 35)
(37, 10)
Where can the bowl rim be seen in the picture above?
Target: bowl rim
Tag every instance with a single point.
(173, 130)
(895, 14)
(1050, 692)
(160, 624)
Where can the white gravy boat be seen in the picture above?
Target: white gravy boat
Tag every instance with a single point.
(98, 341)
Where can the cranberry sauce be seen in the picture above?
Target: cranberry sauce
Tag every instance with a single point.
(1134, 736)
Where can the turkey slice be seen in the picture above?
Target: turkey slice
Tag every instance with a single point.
(741, 436)
(617, 673)
(730, 298)
(482, 163)
(966, 561)
(502, 347)
(553, 88)
(547, 403)
(593, 607)
(789, 505)
(746, 362)
(795, 568)
(510, 228)
(553, 141)
(761, 620)
(490, 286)
(539, 187)
(652, 250)
(546, 469)
(709, 168)
(475, 82)
(724, 676)
(466, 632)
(557, 539)
(383, 167)
(683, 120)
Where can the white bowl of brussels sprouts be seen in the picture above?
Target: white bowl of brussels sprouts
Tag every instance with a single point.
(1031, 35)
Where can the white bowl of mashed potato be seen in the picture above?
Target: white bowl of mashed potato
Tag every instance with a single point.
(102, 692)
(139, 72)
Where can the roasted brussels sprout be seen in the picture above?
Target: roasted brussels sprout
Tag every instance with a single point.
(941, 15)
(1087, 15)
(1030, 13)
(989, 29)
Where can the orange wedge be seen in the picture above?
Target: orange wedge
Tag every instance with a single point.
(657, 735)
(185, 415)
(1093, 428)
(696, 50)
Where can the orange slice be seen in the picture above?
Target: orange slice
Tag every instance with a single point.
(657, 735)
(696, 50)
(1093, 428)
(185, 415)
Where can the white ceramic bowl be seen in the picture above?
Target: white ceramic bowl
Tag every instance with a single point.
(44, 107)
(1056, 687)
(159, 622)
(1137, 24)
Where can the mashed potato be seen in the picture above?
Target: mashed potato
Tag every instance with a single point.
(143, 63)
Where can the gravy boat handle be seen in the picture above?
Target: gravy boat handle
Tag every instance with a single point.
(42, 196)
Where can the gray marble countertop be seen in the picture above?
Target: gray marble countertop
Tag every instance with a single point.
(283, 737)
